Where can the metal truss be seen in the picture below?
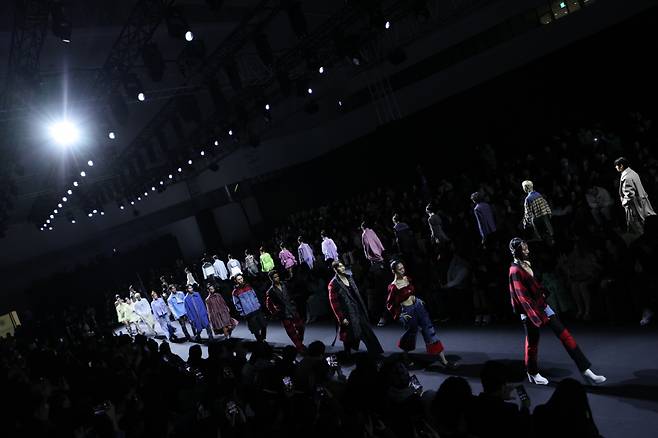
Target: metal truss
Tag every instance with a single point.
(144, 19)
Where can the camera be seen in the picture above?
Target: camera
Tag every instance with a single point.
(332, 361)
(231, 408)
(415, 384)
(102, 408)
(523, 395)
(287, 383)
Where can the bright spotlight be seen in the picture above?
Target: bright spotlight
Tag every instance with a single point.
(64, 198)
(189, 162)
(41, 228)
(141, 97)
(90, 163)
(203, 153)
(75, 184)
(387, 25)
(310, 91)
(171, 176)
(90, 215)
(146, 193)
(94, 211)
(321, 70)
(69, 192)
(216, 142)
(50, 228)
(112, 135)
(55, 211)
(153, 189)
(267, 107)
(121, 207)
(52, 217)
(102, 213)
(72, 221)
(83, 174)
(179, 170)
(230, 132)
(189, 36)
(59, 205)
(132, 202)
(161, 183)
(64, 133)
(47, 221)
(139, 198)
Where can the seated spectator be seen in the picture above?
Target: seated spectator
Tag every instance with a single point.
(569, 404)
(491, 414)
(450, 406)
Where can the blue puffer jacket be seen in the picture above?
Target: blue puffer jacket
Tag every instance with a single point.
(245, 300)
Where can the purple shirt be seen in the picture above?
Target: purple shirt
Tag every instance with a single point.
(485, 219)
(305, 254)
(287, 259)
(329, 249)
(372, 246)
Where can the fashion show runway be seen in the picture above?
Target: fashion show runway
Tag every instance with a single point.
(626, 405)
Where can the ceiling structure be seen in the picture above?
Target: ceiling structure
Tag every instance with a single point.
(245, 54)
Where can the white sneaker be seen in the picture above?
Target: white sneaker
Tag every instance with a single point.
(592, 378)
(647, 314)
(537, 379)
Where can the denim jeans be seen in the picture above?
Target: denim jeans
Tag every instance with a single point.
(415, 317)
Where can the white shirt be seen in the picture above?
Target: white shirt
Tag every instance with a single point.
(234, 267)
(220, 269)
(329, 249)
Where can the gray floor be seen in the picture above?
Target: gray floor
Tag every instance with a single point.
(627, 405)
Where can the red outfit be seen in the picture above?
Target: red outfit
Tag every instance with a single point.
(397, 296)
(527, 295)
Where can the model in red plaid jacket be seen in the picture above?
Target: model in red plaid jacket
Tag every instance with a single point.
(529, 301)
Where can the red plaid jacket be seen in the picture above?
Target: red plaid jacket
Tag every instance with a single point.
(527, 295)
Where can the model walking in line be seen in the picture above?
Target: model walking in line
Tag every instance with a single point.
(529, 302)
(411, 312)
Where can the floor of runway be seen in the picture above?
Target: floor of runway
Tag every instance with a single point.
(627, 405)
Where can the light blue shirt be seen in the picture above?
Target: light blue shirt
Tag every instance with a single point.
(176, 303)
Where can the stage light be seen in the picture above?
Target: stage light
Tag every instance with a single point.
(47, 221)
(141, 97)
(171, 176)
(112, 135)
(321, 70)
(189, 162)
(64, 198)
(90, 163)
(310, 91)
(340, 103)
(52, 217)
(50, 228)
(59, 205)
(75, 184)
(230, 132)
(216, 142)
(387, 25)
(41, 228)
(139, 198)
(55, 211)
(90, 215)
(203, 153)
(72, 221)
(69, 192)
(267, 107)
(94, 211)
(153, 189)
(64, 133)
(102, 213)
(132, 202)
(179, 170)
(189, 36)
(83, 174)
(146, 193)
(121, 207)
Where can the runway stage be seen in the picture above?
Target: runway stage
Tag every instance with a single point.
(625, 406)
